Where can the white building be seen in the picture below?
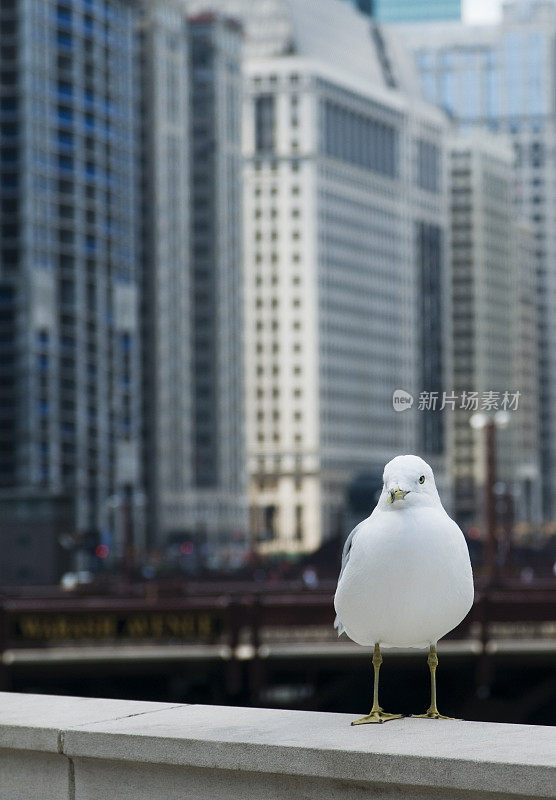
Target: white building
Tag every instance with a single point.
(344, 203)
(502, 78)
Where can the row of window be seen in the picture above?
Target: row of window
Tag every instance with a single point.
(261, 438)
(296, 370)
(273, 190)
(360, 140)
(273, 213)
(295, 235)
(274, 280)
(259, 303)
(293, 78)
(296, 347)
(274, 258)
(297, 416)
(276, 392)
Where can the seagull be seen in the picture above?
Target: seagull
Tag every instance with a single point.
(406, 578)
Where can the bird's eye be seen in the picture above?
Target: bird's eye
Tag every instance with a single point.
(422, 479)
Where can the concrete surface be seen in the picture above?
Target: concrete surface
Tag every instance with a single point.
(84, 749)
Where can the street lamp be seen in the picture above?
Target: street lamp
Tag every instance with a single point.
(490, 423)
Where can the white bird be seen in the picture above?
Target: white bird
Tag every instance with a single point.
(406, 577)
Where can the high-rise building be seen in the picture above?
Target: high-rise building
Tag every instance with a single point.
(344, 204)
(527, 485)
(410, 10)
(219, 493)
(69, 332)
(492, 324)
(502, 78)
(194, 456)
(166, 265)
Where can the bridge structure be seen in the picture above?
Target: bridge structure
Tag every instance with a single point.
(265, 644)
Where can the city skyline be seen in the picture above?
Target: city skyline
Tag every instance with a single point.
(238, 249)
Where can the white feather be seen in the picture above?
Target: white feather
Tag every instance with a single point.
(406, 577)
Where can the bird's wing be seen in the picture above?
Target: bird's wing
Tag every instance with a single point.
(347, 549)
(345, 558)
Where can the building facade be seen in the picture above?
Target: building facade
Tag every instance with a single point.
(344, 204)
(501, 78)
(493, 327)
(194, 454)
(218, 506)
(167, 305)
(70, 411)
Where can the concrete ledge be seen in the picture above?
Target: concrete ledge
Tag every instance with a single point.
(83, 749)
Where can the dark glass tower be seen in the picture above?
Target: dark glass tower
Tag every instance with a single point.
(69, 399)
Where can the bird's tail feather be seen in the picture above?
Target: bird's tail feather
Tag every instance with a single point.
(339, 626)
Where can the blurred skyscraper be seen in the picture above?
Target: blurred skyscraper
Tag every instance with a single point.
(345, 215)
(492, 323)
(120, 272)
(409, 10)
(167, 335)
(219, 498)
(194, 456)
(69, 396)
(502, 78)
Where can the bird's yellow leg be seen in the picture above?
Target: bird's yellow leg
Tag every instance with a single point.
(376, 714)
(432, 712)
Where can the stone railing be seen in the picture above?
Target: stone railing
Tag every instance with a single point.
(58, 748)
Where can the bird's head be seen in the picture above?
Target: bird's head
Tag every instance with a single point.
(408, 482)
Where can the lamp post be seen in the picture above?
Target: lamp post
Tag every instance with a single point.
(490, 424)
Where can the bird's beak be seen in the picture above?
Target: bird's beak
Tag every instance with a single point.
(396, 494)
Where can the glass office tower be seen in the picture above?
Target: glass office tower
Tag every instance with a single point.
(69, 409)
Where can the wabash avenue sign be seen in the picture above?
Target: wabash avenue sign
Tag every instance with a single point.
(28, 629)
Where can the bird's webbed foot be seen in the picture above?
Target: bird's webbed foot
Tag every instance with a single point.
(376, 715)
(431, 713)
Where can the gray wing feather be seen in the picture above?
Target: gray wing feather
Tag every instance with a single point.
(345, 558)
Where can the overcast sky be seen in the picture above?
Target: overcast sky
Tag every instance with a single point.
(481, 10)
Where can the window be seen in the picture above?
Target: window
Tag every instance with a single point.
(270, 520)
(299, 523)
(264, 123)
(360, 140)
(64, 40)
(537, 154)
(428, 166)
